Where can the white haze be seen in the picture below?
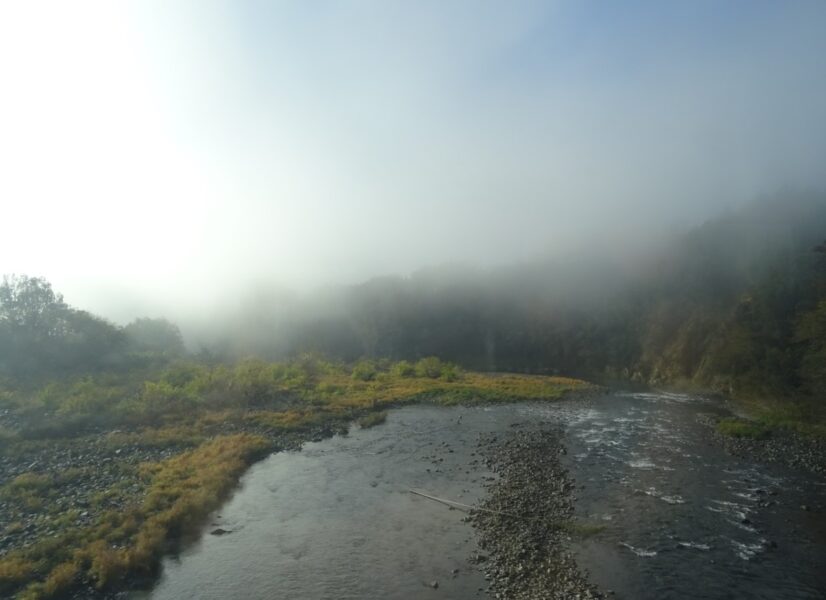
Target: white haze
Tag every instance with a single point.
(161, 157)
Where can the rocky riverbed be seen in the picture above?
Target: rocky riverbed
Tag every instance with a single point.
(781, 446)
(524, 520)
(47, 486)
(623, 495)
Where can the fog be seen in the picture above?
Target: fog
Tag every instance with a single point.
(174, 158)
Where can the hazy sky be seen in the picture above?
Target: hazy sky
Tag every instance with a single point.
(174, 150)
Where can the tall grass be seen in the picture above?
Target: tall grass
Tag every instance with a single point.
(187, 407)
(182, 491)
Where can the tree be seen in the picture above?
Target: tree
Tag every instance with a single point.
(40, 334)
(30, 304)
(154, 335)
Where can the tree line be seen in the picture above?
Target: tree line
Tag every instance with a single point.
(736, 305)
(42, 336)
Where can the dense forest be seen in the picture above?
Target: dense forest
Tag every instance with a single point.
(737, 305)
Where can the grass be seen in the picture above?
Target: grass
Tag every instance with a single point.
(372, 419)
(191, 408)
(181, 492)
(803, 416)
(583, 529)
(740, 428)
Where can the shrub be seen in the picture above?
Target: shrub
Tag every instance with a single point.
(364, 370)
(403, 369)
(61, 578)
(429, 367)
(450, 372)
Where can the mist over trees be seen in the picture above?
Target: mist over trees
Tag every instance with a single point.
(737, 305)
(734, 305)
(41, 336)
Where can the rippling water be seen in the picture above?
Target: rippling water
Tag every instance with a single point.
(682, 519)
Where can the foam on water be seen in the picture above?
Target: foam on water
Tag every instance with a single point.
(747, 551)
(639, 551)
(695, 546)
(670, 499)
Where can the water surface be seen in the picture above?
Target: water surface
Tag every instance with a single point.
(681, 518)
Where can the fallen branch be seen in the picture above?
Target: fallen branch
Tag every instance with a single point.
(460, 505)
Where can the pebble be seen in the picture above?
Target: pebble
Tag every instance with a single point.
(529, 496)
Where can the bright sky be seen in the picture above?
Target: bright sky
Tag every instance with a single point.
(168, 150)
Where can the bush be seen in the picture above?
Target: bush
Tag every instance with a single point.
(450, 372)
(429, 367)
(364, 370)
(403, 369)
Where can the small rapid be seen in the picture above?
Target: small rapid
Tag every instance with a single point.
(681, 518)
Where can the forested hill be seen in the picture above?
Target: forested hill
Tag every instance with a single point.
(736, 305)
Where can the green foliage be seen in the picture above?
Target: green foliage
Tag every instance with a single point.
(583, 529)
(450, 372)
(154, 335)
(364, 370)
(41, 335)
(743, 429)
(810, 332)
(403, 369)
(429, 367)
(86, 397)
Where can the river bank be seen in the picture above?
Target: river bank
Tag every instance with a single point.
(636, 499)
(779, 445)
(130, 485)
(97, 511)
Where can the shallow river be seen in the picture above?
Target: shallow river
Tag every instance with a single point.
(677, 517)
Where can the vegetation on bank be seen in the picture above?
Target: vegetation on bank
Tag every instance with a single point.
(742, 428)
(227, 415)
(767, 418)
(180, 492)
(195, 395)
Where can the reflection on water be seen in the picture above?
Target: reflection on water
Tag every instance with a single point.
(683, 519)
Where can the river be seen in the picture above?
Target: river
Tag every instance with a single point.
(676, 517)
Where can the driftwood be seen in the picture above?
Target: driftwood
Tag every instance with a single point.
(460, 505)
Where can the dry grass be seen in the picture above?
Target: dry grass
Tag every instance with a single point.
(181, 491)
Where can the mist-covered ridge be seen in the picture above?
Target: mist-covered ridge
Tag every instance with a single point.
(735, 305)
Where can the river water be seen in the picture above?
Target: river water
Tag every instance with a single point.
(676, 517)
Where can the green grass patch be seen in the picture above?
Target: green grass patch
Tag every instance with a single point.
(804, 416)
(583, 529)
(741, 428)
